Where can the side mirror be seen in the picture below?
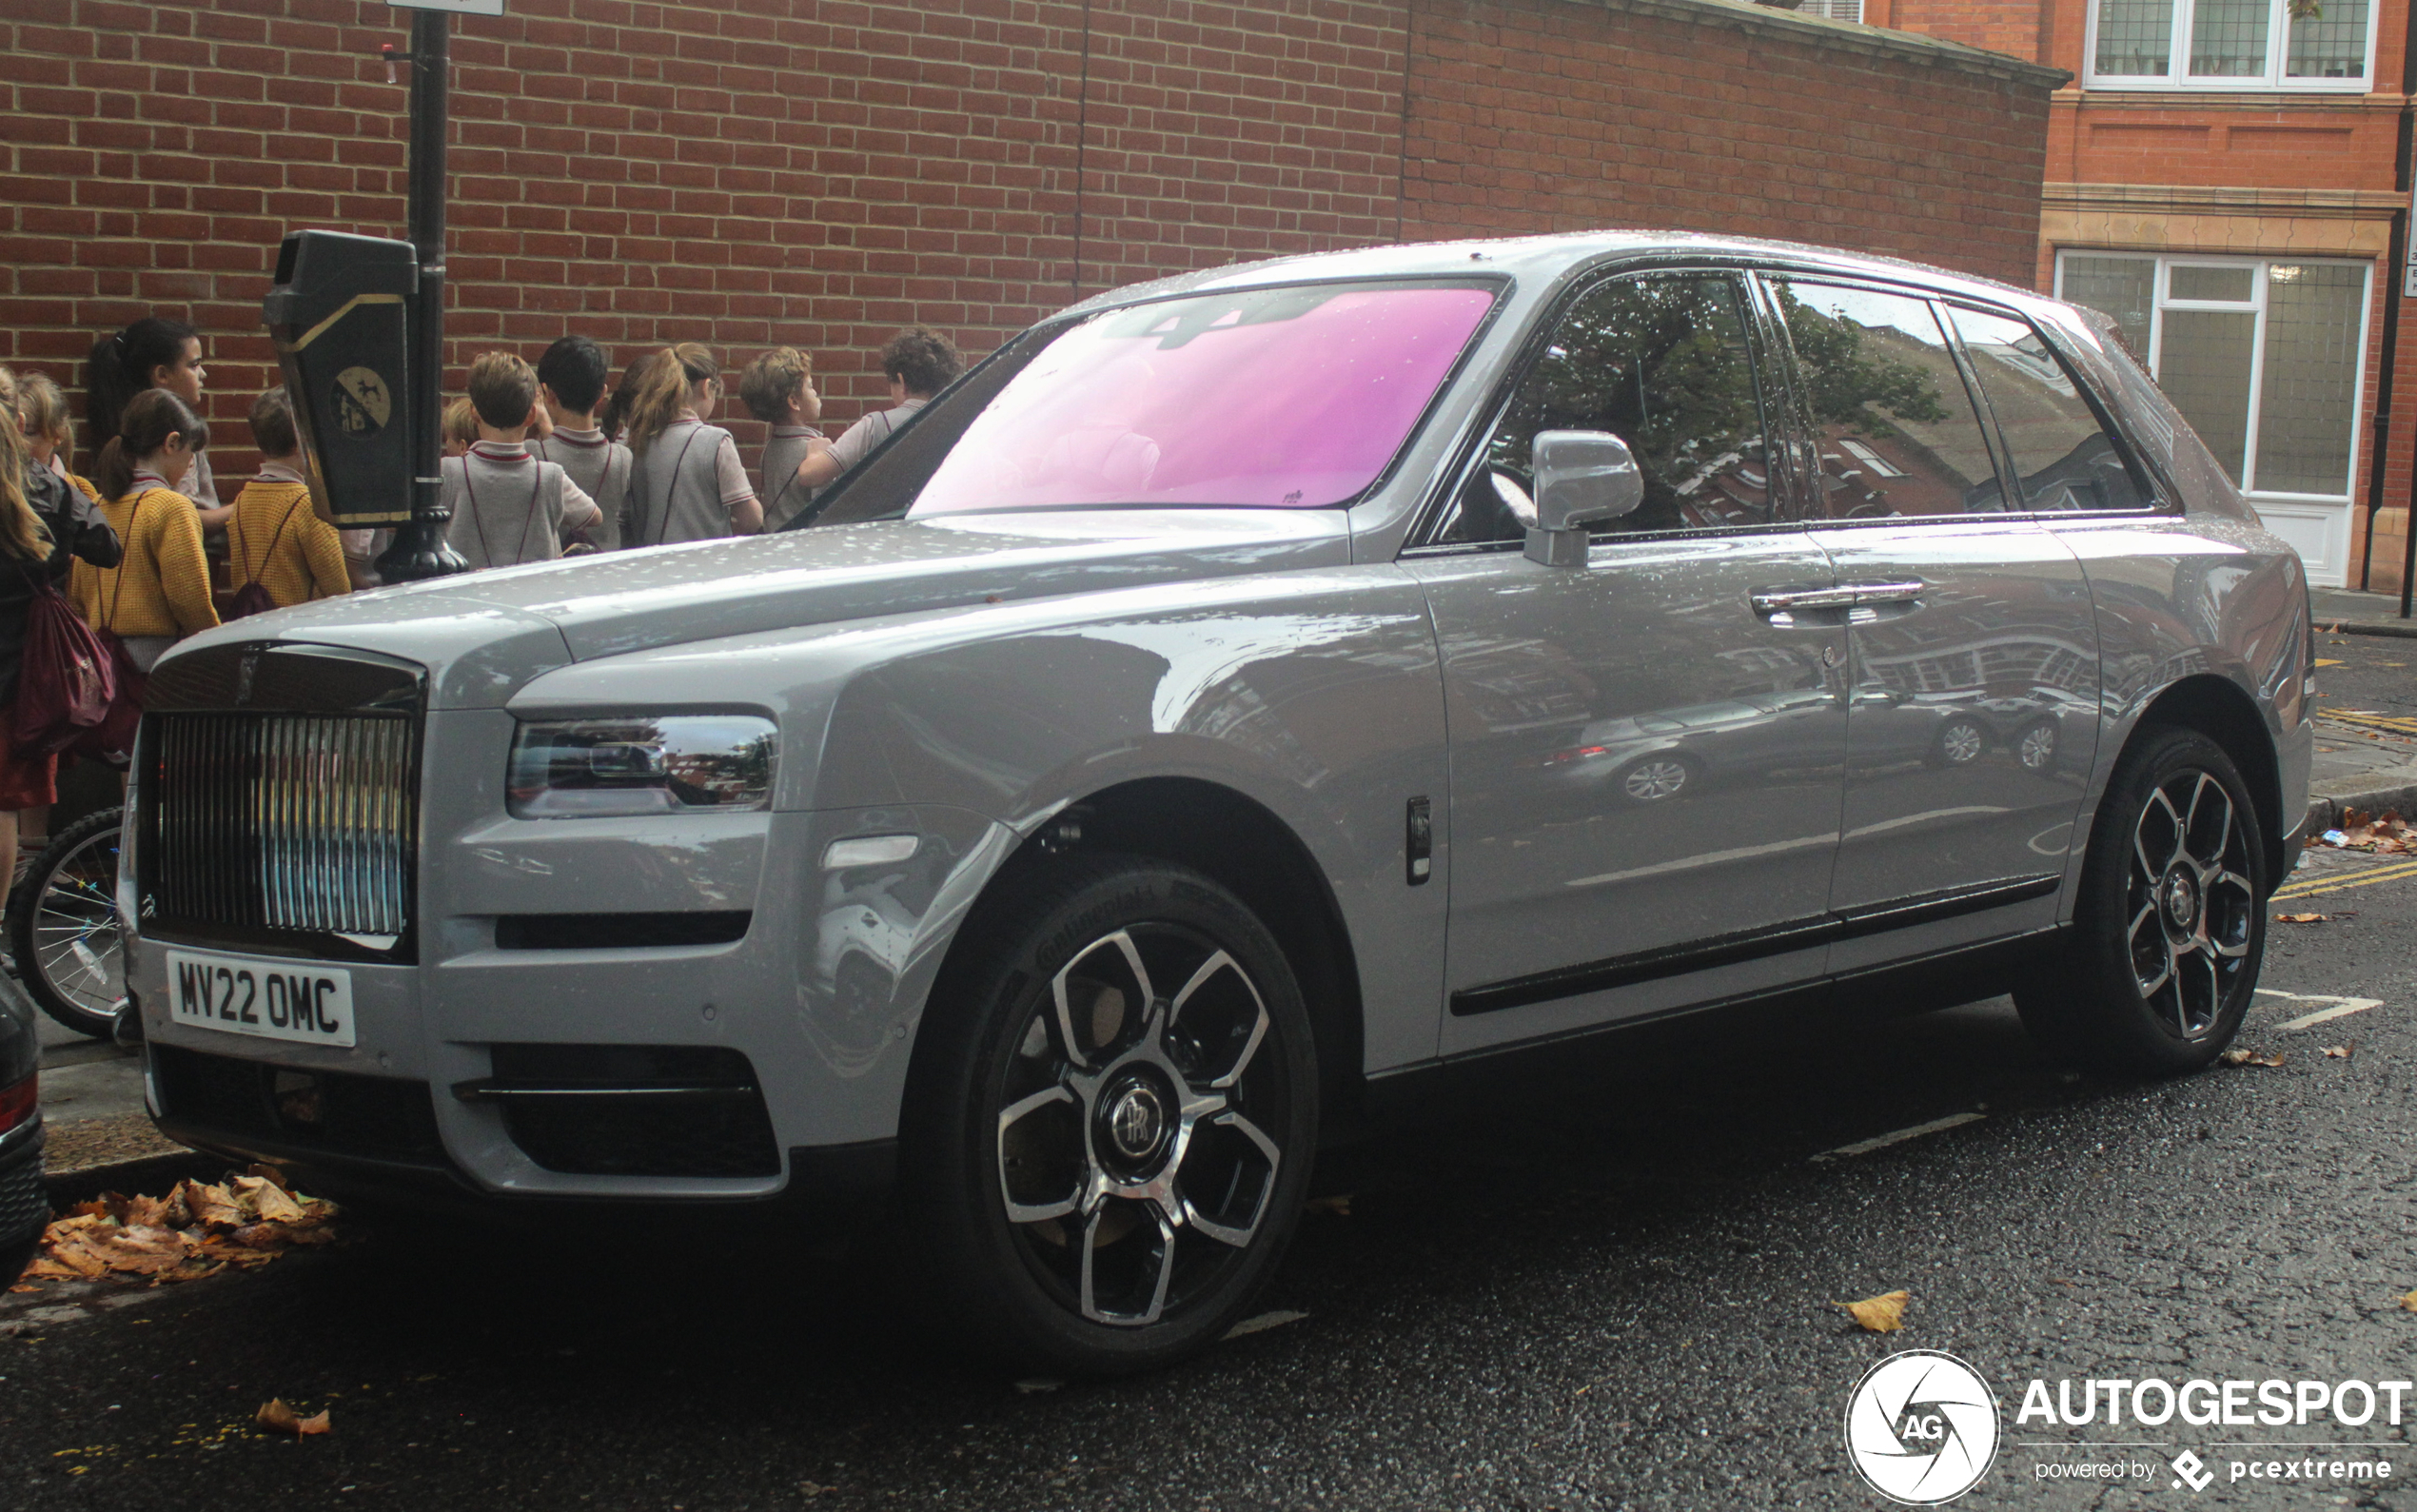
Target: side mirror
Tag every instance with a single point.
(1581, 476)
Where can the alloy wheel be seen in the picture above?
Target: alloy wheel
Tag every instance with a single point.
(1959, 743)
(1654, 779)
(2037, 747)
(2190, 905)
(1141, 1126)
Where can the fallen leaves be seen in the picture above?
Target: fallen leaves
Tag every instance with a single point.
(278, 1418)
(2337, 1052)
(2385, 835)
(2250, 1057)
(2409, 1301)
(197, 1230)
(1884, 1313)
(2299, 919)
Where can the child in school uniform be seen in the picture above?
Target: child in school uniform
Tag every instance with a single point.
(159, 590)
(49, 434)
(275, 539)
(778, 388)
(458, 431)
(689, 484)
(509, 507)
(570, 383)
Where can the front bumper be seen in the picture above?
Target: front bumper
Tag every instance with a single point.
(814, 1003)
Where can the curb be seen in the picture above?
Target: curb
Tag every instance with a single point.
(2402, 629)
(68, 1187)
(2325, 810)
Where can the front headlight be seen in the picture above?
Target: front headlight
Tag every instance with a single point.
(682, 763)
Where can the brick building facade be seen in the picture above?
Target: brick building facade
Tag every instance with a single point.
(750, 172)
(2232, 182)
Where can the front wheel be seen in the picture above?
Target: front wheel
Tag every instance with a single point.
(1111, 1116)
(63, 928)
(2171, 925)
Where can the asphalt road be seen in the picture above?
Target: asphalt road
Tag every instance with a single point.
(1615, 1293)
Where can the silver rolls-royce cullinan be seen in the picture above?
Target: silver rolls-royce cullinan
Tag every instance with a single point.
(1229, 712)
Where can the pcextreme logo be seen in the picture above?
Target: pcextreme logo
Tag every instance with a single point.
(1921, 1427)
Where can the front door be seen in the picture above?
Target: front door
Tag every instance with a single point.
(1972, 710)
(1645, 770)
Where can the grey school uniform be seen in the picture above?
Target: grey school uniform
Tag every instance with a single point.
(856, 442)
(508, 507)
(783, 495)
(684, 486)
(600, 468)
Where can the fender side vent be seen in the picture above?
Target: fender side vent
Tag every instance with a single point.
(617, 931)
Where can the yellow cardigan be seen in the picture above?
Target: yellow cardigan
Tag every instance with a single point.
(308, 562)
(161, 587)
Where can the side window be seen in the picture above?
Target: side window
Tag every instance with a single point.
(1661, 362)
(2063, 458)
(1894, 423)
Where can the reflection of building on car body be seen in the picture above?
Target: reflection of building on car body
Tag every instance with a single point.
(1047, 824)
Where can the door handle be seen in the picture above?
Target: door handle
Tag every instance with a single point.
(1871, 595)
(1786, 600)
(1779, 605)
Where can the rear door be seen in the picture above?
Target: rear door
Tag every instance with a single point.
(1644, 768)
(1971, 719)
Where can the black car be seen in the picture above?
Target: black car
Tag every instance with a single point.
(25, 1207)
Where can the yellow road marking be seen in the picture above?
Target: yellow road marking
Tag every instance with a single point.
(2382, 874)
(2331, 662)
(2394, 723)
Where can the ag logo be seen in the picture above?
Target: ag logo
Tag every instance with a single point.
(1921, 1427)
(363, 403)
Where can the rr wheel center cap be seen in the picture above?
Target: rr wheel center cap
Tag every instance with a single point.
(1135, 1121)
(2181, 900)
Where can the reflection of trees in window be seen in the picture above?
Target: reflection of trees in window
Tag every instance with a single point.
(1660, 363)
(1848, 384)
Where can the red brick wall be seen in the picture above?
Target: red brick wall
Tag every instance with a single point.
(1539, 115)
(756, 171)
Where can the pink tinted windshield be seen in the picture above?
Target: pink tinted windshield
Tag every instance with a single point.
(1288, 398)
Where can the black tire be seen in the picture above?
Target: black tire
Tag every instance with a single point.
(1659, 776)
(1959, 743)
(2160, 971)
(69, 899)
(996, 1039)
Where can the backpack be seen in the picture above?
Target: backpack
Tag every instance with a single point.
(110, 738)
(252, 597)
(67, 679)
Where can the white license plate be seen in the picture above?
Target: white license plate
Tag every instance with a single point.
(309, 1005)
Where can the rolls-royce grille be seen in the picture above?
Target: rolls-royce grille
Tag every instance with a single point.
(285, 821)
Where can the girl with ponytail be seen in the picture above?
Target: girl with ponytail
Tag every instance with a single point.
(687, 482)
(160, 592)
(153, 353)
(45, 522)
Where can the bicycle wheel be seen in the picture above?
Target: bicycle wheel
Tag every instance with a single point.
(63, 928)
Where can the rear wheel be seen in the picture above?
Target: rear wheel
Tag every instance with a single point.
(1656, 778)
(2171, 925)
(1111, 1117)
(1959, 743)
(63, 928)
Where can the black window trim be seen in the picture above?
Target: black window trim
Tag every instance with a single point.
(1468, 448)
(2128, 453)
(2136, 458)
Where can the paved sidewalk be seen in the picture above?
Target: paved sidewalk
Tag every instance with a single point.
(2360, 614)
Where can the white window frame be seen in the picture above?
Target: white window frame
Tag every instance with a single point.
(2317, 524)
(2255, 304)
(2178, 78)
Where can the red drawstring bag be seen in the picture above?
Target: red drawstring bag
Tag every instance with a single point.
(67, 679)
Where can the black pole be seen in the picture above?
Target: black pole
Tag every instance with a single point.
(419, 550)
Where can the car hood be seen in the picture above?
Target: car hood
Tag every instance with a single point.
(483, 635)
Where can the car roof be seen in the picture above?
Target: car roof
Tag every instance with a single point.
(1549, 257)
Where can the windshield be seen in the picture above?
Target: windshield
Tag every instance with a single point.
(1287, 397)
